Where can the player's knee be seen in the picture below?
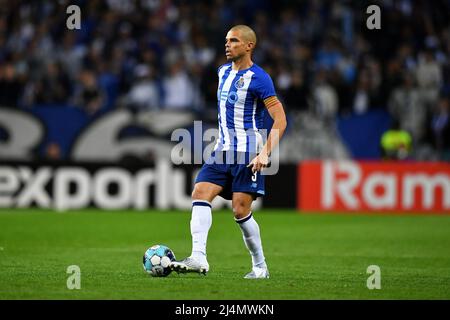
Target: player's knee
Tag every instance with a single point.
(197, 194)
(200, 194)
(240, 209)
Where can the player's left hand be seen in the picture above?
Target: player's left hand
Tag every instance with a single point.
(259, 162)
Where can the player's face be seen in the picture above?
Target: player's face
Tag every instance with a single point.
(235, 46)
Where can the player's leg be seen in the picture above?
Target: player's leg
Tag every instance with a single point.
(201, 220)
(251, 233)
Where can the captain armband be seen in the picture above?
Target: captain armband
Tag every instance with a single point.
(271, 101)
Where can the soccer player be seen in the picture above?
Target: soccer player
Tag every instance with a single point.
(234, 169)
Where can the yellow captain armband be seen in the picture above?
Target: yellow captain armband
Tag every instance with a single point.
(271, 101)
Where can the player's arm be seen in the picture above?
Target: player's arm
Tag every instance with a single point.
(276, 111)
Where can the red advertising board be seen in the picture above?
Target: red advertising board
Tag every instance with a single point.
(374, 186)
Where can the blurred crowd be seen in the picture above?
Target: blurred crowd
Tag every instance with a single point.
(163, 54)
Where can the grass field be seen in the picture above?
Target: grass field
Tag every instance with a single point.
(310, 256)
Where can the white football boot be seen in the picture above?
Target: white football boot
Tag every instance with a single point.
(258, 273)
(188, 265)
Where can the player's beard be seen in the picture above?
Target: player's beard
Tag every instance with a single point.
(232, 58)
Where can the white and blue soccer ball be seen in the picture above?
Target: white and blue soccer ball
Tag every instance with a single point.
(157, 259)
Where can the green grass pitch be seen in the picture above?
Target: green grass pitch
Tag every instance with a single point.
(311, 256)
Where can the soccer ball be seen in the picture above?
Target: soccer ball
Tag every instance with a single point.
(157, 259)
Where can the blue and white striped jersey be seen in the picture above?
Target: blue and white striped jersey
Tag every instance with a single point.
(240, 98)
